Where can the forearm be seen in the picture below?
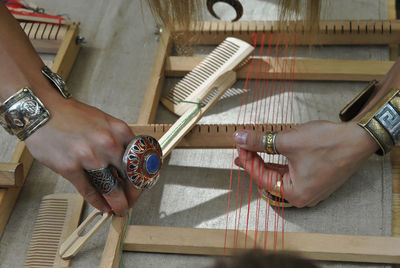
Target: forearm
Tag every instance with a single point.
(20, 64)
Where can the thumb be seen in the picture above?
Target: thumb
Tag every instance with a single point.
(253, 140)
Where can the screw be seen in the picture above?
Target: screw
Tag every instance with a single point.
(80, 40)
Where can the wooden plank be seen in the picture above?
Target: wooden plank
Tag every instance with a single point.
(21, 154)
(327, 247)
(391, 15)
(156, 81)
(67, 52)
(396, 191)
(336, 32)
(9, 196)
(311, 69)
(11, 174)
(205, 136)
(40, 36)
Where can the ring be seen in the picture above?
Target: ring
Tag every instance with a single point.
(269, 142)
(274, 197)
(278, 186)
(103, 179)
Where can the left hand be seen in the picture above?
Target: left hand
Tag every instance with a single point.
(321, 156)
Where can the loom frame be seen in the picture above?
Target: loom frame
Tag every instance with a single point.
(162, 65)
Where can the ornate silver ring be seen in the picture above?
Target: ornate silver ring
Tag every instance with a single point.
(103, 179)
(269, 142)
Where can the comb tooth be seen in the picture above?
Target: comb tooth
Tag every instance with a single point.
(223, 58)
(58, 215)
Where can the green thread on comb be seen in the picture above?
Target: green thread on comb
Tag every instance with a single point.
(180, 126)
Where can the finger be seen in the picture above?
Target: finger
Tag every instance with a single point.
(117, 200)
(282, 169)
(115, 197)
(132, 193)
(253, 140)
(122, 137)
(122, 132)
(88, 191)
(254, 165)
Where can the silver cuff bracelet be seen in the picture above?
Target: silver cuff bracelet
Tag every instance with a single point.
(23, 113)
(57, 82)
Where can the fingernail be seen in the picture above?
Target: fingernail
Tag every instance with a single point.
(241, 136)
(106, 209)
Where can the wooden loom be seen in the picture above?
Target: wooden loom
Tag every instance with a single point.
(208, 241)
(48, 38)
(138, 236)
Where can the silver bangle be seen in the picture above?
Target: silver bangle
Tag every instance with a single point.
(23, 113)
(57, 82)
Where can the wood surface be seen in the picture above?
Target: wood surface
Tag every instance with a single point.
(188, 120)
(67, 52)
(112, 250)
(391, 15)
(327, 247)
(77, 239)
(11, 174)
(45, 37)
(311, 69)
(205, 136)
(227, 56)
(331, 33)
(339, 32)
(9, 196)
(156, 80)
(58, 216)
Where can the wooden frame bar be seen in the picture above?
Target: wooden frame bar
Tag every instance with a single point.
(327, 247)
(62, 64)
(212, 33)
(338, 32)
(312, 69)
(205, 136)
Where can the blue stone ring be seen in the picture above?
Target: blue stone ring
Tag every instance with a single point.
(142, 161)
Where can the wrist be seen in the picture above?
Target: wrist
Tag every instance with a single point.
(29, 108)
(361, 140)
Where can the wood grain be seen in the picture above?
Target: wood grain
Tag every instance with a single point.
(45, 37)
(156, 80)
(327, 247)
(339, 32)
(312, 69)
(205, 136)
(11, 174)
(58, 216)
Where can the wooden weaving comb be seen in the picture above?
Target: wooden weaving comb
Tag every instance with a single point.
(58, 216)
(208, 81)
(229, 55)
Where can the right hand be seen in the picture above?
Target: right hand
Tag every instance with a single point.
(79, 137)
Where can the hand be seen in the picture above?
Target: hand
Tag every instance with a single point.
(321, 156)
(79, 137)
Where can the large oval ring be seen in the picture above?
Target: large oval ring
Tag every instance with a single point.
(274, 199)
(269, 142)
(142, 161)
(103, 179)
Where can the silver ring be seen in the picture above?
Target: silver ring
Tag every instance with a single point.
(103, 179)
(269, 142)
